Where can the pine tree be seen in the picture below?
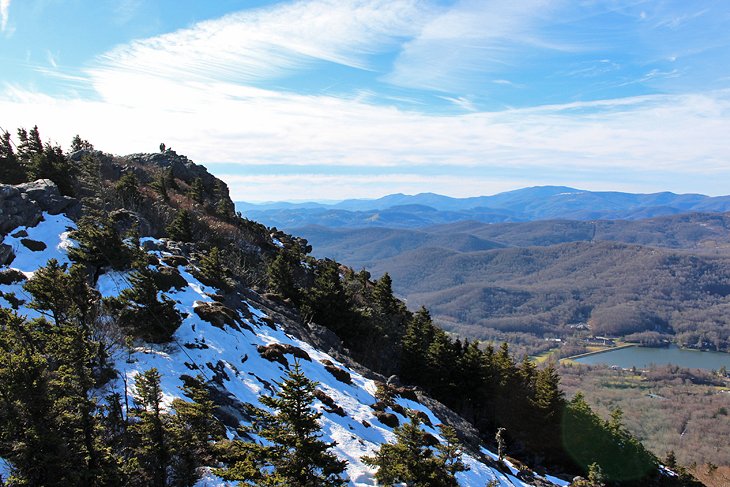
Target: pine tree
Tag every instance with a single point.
(11, 170)
(383, 295)
(181, 227)
(99, 244)
(140, 311)
(416, 341)
(160, 186)
(127, 188)
(29, 436)
(77, 144)
(297, 455)
(213, 271)
(410, 460)
(49, 288)
(449, 456)
(151, 450)
(327, 302)
(193, 430)
(281, 275)
(73, 357)
(197, 190)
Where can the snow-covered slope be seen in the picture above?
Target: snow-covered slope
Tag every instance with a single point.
(229, 356)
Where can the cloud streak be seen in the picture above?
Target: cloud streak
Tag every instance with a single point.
(206, 91)
(268, 43)
(4, 14)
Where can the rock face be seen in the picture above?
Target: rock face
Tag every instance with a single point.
(24, 204)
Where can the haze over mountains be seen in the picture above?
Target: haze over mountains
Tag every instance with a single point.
(538, 262)
(536, 203)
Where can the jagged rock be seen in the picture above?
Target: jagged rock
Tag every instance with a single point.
(174, 260)
(404, 392)
(152, 245)
(19, 234)
(399, 409)
(6, 254)
(24, 204)
(11, 276)
(338, 373)
(330, 405)
(182, 168)
(219, 315)
(422, 416)
(275, 352)
(326, 338)
(388, 419)
(168, 277)
(124, 220)
(34, 245)
(219, 372)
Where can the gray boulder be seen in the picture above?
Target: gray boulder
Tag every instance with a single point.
(24, 204)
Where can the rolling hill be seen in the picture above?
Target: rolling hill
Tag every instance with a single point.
(536, 203)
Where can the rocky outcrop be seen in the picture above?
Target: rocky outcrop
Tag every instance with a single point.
(182, 168)
(24, 204)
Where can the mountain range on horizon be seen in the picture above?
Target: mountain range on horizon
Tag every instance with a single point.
(527, 204)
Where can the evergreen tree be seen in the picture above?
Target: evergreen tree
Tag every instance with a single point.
(590, 440)
(212, 270)
(11, 170)
(473, 383)
(127, 188)
(99, 244)
(416, 341)
(41, 161)
(151, 455)
(411, 461)
(297, 455)
(193, 429)
(77, 144)
(449, 456)
(327, 302)
(49, 288)
(73, 356)
(140, 311)
(197, 190)
(181, 227)
(383, 295)
(281, 275)
(29, 436)
(160, 185)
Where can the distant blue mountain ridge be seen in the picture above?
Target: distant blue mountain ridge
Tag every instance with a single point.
(528, 204)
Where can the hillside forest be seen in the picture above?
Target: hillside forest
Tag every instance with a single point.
(57, 429)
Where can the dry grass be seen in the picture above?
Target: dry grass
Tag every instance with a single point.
(665, 410)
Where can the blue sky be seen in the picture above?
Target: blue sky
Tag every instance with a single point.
(331, 99)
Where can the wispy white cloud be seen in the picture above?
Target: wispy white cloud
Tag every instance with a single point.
(228, 123)
(471, 38)
(4, 14)
(198, 91)
(268, 42)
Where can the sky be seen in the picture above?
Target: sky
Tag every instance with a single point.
(334, 99)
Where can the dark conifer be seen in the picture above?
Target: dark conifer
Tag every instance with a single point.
(181, 227)
(193, 430)
(297, 455)
(140, 311)
(11, 170)
(411, 461)
(151, 455)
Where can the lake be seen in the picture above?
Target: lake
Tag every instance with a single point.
(642, 357)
